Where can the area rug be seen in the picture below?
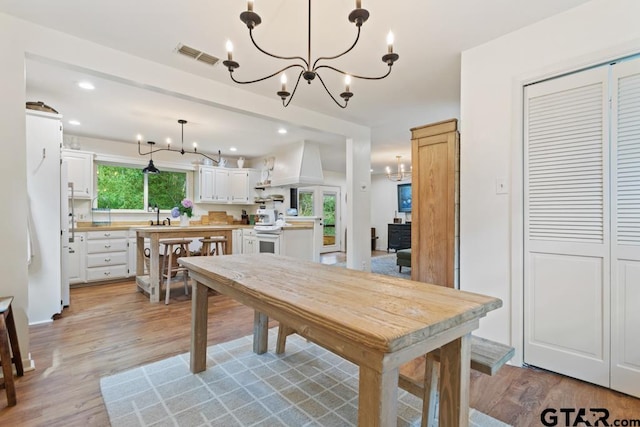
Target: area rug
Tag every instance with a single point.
(307, 386)
(385, 264)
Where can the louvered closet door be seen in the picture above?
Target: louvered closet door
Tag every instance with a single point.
(625, 241)
(566, 226)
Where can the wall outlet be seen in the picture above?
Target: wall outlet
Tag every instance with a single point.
(501, 186)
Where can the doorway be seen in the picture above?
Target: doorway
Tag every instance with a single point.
(323, 202)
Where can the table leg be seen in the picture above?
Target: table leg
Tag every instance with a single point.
(154, 266)
(260, 333)
(139, 256)
(378, 398)
(455, 361)
(199, 317)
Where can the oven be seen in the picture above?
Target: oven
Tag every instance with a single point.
(269, 242)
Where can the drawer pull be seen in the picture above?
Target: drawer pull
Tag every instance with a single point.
(107, 246)
(107, 260)
(107, 273)
(107, 234)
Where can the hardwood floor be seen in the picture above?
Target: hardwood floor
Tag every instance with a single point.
(112, 328)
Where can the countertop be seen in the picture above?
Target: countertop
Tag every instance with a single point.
(114, 226)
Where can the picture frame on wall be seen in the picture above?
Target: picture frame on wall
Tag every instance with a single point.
(404, 198)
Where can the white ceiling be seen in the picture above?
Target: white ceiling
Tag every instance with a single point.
(424, 86)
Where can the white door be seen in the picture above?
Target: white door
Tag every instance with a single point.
(625, 230)
(567, 239)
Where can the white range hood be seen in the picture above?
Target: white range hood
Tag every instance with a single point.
(297, 165)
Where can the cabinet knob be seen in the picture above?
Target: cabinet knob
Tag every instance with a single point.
(107, 246)
(107, 260)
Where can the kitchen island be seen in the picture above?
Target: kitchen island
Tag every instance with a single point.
(151, 283)
(377, 322)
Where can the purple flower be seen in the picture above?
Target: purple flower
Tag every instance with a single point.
(187, 203)
(175, 212)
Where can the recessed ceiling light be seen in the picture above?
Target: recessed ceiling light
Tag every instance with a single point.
(74, 122)
(86, 85)
(233, 149)
(282, 131)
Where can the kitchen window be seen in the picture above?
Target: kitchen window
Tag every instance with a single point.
(123, 187)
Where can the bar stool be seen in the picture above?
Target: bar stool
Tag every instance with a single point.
(177, 248)
(220, 243)
(9, 338)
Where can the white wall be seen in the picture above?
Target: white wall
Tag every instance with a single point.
(491, 140)
(384, 205)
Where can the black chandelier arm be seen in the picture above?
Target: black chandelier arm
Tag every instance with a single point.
(266, 77)
(182, 151)
(295, 88)
(355, 75)
(273, 55)
(330, 94)
(340, 54)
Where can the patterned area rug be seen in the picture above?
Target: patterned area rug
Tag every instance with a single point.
(385, 264)
(307, 386)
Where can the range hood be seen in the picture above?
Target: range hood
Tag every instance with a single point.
(297, 165)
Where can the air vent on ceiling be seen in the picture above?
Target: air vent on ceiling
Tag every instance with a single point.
(197, 54)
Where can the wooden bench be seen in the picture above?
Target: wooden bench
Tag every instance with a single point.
(420, 378)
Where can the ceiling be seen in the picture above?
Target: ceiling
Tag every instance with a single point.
(424, 86)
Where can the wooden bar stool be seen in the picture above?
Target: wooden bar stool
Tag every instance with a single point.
(173, 249)
(208, 248)
(9, 339)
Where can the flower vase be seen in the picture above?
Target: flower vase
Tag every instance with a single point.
(240, 162)
(184, 220)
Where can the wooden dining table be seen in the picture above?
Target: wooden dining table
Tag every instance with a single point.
(377, 322)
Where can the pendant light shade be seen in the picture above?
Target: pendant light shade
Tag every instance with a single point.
(150, 167)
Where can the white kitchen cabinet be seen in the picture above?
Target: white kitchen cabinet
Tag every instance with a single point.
(222, 185)
(107, 255)
(236, 241)
(204, 184)
(79, 172)
(249, 241)
(297, 243)
(77, 259)
(241, 185)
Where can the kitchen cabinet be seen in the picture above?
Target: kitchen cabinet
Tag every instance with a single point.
(79, 172)
(107, 255)
(249, 241)
(242, 185)
(222, 185)
(297, 243)
(236, 241)
(77, 259)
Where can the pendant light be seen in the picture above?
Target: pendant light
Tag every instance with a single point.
(150, 167)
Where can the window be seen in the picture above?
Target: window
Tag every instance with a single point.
(305, 203)
(122, 187)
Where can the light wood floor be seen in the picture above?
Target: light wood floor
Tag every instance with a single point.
(112, 328)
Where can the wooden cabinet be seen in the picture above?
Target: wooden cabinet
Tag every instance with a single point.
(79, 172)
(398, 236)
(221, 185)
(106, 255)
(435, 203)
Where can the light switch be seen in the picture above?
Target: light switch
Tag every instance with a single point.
(501, 186)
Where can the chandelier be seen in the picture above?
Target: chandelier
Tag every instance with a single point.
(400, 174)
(152, 169)
(308, 70)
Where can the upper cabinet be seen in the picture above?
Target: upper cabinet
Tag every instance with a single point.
(79, 172)
(221, 185)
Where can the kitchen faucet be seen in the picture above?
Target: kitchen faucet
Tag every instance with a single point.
(155, 207)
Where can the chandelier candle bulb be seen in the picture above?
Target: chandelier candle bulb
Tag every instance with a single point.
(358, 4)
(250, 5)
(229, 47)
(347, 83)
(283, 80)
(390, 41)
